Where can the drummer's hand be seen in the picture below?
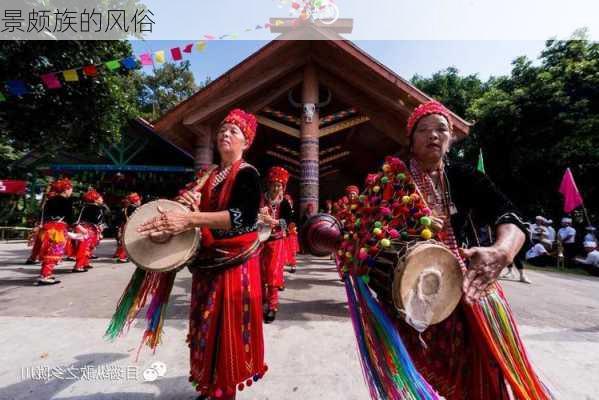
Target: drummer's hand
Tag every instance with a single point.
(485, 265)
(191, 200)
(437, 223)
(167, 223)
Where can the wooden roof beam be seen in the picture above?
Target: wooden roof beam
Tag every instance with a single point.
(348, 123)
(293, 132)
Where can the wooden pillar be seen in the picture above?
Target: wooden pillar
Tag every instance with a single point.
(204, 148)
(309, 132)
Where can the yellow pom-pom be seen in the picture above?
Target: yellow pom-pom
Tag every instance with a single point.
(354, 206)
(377, 231)
(376, 189)
(426, 234)
(385, 243)
(406, 199)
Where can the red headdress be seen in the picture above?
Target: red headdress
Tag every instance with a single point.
(428, 108)
(133, 198)
(60, 186)
(91, 196)
(245, 121)
(277, 174)
(352, 189)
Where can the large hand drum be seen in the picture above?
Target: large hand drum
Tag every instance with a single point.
(159, 256)
(423, 281)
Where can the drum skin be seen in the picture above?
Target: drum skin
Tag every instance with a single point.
(151, 255)
(321, 234)
(425, 268)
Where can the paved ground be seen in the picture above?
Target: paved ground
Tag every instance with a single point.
(310, 348)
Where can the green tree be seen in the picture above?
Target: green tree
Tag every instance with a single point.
(165, 88)
(80, 115)
(542, 119)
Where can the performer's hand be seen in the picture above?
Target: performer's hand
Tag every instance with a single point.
(437, 223)
(485, 266)
(167, 223)
(191, 200)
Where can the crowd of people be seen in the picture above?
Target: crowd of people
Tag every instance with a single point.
(566, 248)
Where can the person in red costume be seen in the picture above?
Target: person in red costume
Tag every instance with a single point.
(225, 322)
(276, 211)
(89, 227)
(57, 216)
(130, 204)
(291, 241)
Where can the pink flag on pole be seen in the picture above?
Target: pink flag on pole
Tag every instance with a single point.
(146, 59)
(572, 197)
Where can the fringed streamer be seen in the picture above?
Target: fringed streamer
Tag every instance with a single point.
(494, 317)
(125, 305)
(143, 286)
(157, 309)
(386, 364)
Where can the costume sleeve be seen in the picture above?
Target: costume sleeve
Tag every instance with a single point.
(285, 214)
(245, 199)
(488, 203)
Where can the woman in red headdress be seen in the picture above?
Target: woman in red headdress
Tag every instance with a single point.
(57, 216)
(225, 328)
(130, 204)
(291, 241)
(276, 211)
(469, 355)
(89, 228)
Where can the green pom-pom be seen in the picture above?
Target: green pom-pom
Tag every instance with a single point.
(378, 224)
(401, 176)
(384, 180)
(404, 235)
(425, 221)
(366, 279)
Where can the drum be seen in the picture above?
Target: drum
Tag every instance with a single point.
(422, 281)
(159, 255)
(321, 234)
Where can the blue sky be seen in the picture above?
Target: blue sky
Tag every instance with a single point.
(485, 58)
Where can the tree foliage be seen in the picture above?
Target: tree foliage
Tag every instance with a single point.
(534, 123)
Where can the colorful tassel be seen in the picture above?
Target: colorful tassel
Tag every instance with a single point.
(386, 364)
(494, 318)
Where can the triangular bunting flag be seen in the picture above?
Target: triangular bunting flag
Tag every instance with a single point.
(258, 27)
(51, 81)
(90, 70)
(201, 46)
(17, 88)
(176, 54)
(572, 197)
(159, 56)
(70, 75)
(188, 48)
(209, 37)
(130, 63)
(113, 65)
(146, 59)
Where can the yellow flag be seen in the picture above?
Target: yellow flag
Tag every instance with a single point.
(70, 75)
(160, 59)
(201, 46)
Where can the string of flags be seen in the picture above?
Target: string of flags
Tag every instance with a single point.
(57, 79)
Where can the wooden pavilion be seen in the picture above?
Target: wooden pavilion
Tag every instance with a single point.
(327, 111)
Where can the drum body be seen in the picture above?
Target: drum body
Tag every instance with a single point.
(321, 234)
(159, 256)
(421, 280)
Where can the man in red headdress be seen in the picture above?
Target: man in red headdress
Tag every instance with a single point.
(130, 204)
(57, 214)
(89, 226)
(276, 212)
